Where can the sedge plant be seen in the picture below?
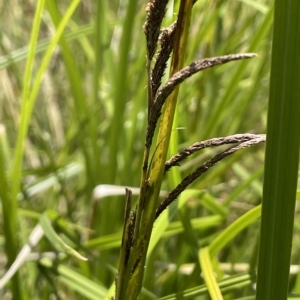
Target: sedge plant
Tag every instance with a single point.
(98, 152)
(162, 98)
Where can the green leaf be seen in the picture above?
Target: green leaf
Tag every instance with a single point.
(55, 239)
(75, 281)
(282, 155)
(233, 229)
(22, 53)
(208, 273)
(226, 285)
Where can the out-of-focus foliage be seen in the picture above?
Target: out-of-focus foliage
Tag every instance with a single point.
(88, 127)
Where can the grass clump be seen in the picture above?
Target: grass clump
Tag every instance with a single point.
(151, 98)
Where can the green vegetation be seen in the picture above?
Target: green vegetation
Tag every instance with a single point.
(81, 120)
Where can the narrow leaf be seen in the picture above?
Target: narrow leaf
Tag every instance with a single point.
(55, 239)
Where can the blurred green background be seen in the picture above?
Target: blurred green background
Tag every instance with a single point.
(88, 129)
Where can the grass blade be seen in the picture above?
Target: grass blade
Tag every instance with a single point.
(55, 239)
(233, 229)
(282, 155)
(10, 203)
(121, 89)
(208, 273)
(75, 281)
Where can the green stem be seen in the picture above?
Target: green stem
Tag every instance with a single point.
(139, 253)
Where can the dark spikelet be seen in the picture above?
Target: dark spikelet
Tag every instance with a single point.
(156, 10)
(231, 139)
(202, 169)
(179, 77)
(166, 40)
(193, 68)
